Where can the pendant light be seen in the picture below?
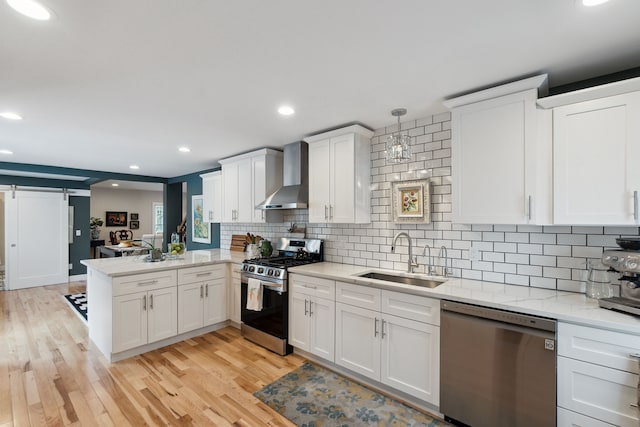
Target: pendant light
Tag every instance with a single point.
(398, 146)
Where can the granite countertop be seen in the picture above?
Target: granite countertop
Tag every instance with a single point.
(565, 306)
(126, 265)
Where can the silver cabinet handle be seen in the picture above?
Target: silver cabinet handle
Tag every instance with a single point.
(206, 290)
(635, 355)
(201, 291)
(529, 205)
(305, 307)
(148, 282)
(151, 301)
(144, 303)
(263, 215)
(330, 212)
(382, 329)
(309, 286)
(326, 214)
(633, 405)
(375, 327)
(208, 273)
(635, 206)
(310, 305)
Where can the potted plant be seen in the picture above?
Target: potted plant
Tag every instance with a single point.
(94, 224)
(156, 253)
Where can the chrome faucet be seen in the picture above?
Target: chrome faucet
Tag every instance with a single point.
(428, 268)
(445, 271)
(411, 262)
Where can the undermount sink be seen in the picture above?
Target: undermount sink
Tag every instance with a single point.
(398, 278)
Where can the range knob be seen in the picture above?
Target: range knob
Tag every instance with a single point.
(260, 270)
(252, 269)
(270, 272)
(276, 273)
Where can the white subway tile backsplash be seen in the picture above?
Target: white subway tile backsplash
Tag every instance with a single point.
(527, 255)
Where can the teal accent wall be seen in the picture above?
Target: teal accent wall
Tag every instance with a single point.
(194, 188)
(80, 248)
(172, 210)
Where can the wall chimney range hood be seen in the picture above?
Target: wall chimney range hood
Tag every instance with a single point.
(294, 193)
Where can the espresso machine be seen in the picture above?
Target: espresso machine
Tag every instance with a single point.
(627, 263)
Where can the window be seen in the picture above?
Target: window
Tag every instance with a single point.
(158, 217)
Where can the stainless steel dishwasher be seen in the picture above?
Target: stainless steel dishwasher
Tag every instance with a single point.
(497, 368)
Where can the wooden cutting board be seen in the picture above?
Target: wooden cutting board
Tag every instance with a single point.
(238, 242)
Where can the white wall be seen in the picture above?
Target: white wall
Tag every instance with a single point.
(130, 201)
(552, 257)
(2, 228)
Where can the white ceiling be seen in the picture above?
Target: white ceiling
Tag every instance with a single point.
(128, 185)
(110, 83)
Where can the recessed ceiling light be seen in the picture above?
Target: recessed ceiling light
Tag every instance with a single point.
(286, 110)
(115, 184)
(7, 152)
(590, 3)
(11, 116)
(184, 149)
(134, 167)
(31, 8)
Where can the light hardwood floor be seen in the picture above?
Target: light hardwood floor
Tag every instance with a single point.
(51, 374)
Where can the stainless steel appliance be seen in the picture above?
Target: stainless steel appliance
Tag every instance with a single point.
(269, 327)
(497, 368)
(626, 262)
(294, 193)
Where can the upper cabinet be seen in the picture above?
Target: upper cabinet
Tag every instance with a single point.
(339, 176)
(500, 158)
(596, 147)
(212, 196)
(246, 181)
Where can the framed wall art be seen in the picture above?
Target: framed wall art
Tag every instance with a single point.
(116, 219)
(134, 216)
(200, 230)
(134, 225)
(411, 201)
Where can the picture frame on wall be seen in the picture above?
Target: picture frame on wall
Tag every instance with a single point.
(134, 216)
(115, 219)
(134, 225)
(411, 201)
(200, 230)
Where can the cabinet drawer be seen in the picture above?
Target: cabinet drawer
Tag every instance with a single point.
(143, 282)
(606, 348)
(359, 296)
(412, 307)
(606, 394)
(572, 419)
(198, 274)
(314, 286)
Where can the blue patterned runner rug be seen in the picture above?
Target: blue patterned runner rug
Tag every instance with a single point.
(312, 396)
(79, 303)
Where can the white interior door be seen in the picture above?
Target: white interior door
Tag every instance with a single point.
(37, 239)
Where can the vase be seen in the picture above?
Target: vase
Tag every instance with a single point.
(95, 234)
(253, 250)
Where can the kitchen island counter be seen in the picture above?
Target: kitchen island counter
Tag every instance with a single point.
(564, 306)
(126, 266)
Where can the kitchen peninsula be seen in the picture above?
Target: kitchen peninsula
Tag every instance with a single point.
(136, 306)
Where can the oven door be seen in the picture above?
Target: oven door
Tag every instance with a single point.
(273, 318)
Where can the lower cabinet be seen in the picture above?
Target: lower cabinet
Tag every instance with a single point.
(202, 297)
(597, 376)
(144, 317)
(399, 351)
(312, 315)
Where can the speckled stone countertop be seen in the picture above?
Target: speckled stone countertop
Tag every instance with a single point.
(564, 306)
(127, 265)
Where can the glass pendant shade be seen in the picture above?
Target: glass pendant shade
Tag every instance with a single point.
(398, 146)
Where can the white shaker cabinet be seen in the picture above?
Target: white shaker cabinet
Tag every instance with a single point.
(500, 166)
(202, 297)
(596, 148)
(312, 315)
(372, 324)
(246, 181)
(144, 310)
(597, 376)
(212, 196)
(234, 295)
(339, 176)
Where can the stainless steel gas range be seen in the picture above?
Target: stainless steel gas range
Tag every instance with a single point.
(269, 327)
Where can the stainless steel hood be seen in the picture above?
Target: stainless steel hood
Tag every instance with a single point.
(294, 193)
